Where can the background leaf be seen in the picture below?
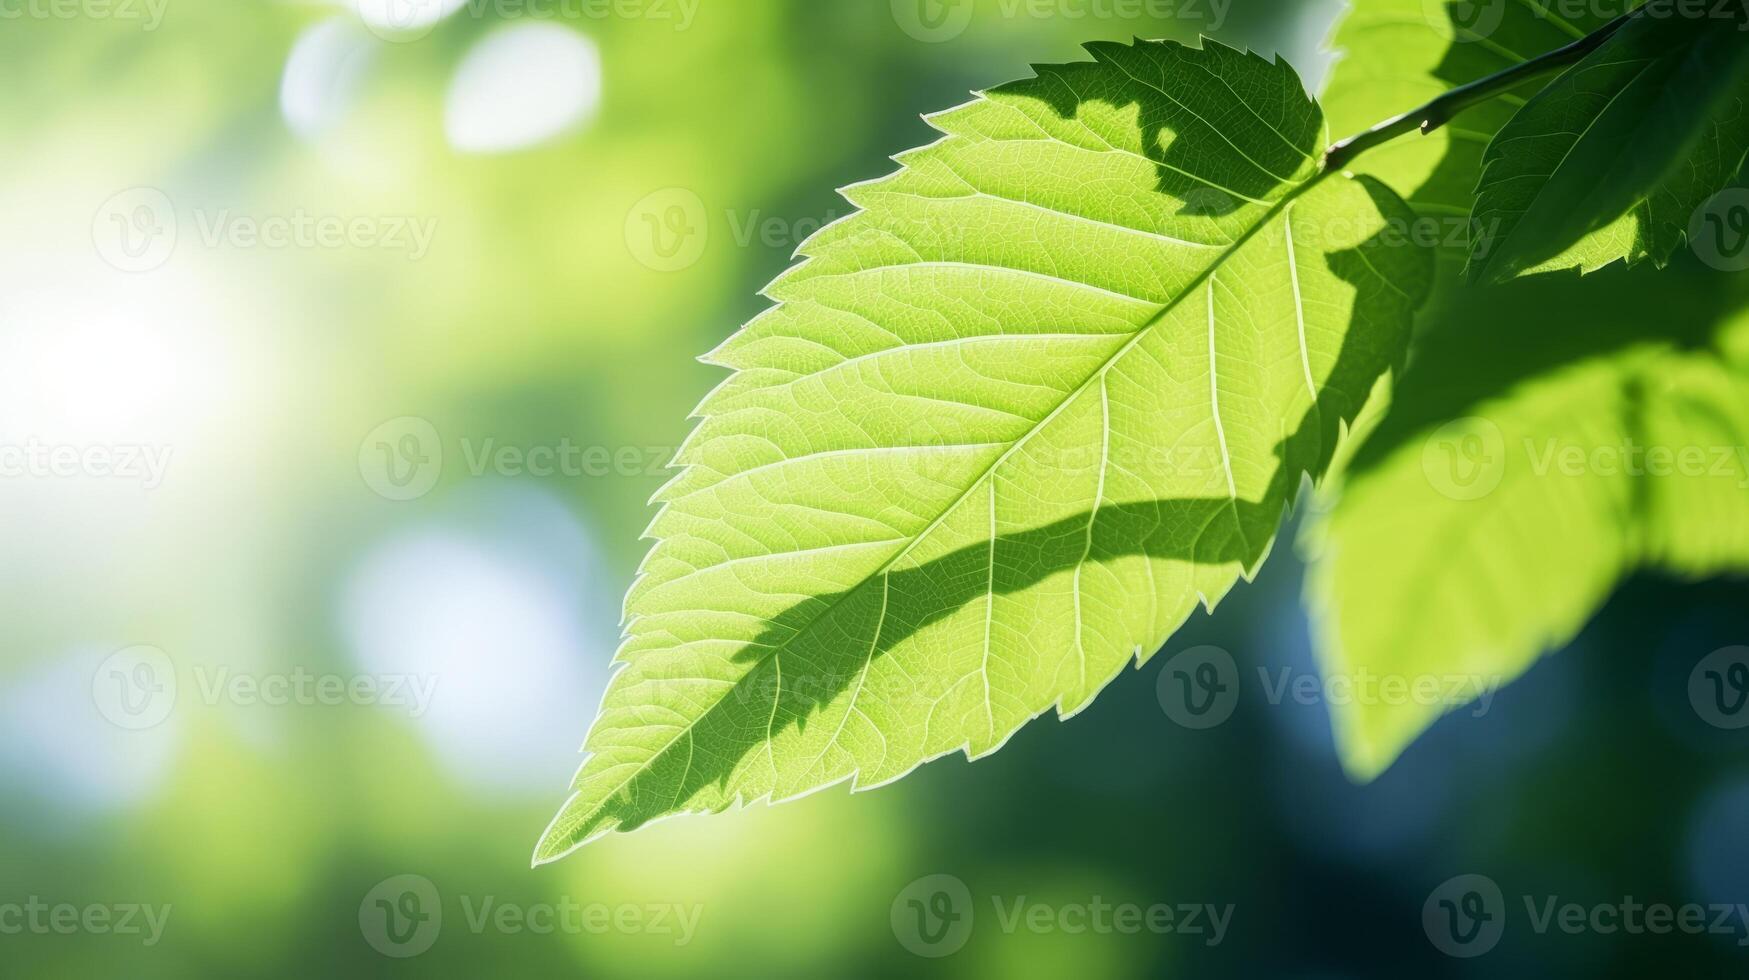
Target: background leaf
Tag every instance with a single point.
(1398, 54)
(1497, 507)
(1610, 161)
(1051, 387)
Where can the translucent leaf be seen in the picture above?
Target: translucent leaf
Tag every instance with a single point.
(1398, 54)
(1051, 387)
(1504, 498)
(1611, 160)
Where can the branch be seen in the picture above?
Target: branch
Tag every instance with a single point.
(1441, 110)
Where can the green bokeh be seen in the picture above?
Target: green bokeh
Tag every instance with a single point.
(531, 321)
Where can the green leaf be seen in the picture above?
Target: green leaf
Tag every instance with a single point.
(1697, 524)
(1504, 499)
(1053, 385)
(1398, 54)
(1610, 161)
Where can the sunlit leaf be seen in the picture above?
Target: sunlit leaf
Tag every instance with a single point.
(1398, 54)
(1051, 387)
(1504, 499)
(1610, 161)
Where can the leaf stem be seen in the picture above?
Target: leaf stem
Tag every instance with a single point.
(1437, 113)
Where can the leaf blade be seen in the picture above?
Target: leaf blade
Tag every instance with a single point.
(1439, 564)
(1052, 385)
(1607, 163)
(1402, 53)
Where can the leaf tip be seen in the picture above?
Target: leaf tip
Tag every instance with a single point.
(547, 850)
(560, 838)
(1361, 765)
(1361, 755)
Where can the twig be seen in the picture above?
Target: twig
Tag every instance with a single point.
(1437, 113)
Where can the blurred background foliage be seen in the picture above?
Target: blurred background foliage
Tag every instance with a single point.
(535, 319)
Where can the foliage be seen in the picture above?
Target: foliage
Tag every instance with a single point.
(1610, 160)
(1058, 379)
